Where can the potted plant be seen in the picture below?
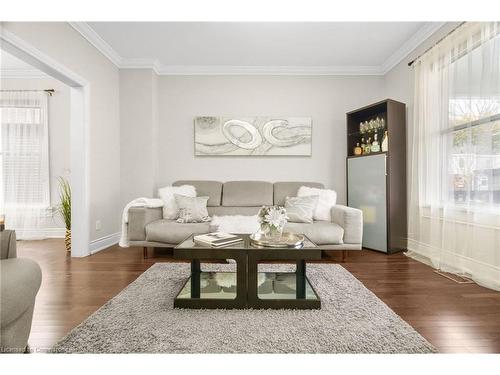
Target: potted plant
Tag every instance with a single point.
(64, 209)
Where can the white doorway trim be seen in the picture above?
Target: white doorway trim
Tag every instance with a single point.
(80, 115)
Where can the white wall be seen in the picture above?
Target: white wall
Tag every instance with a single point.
(65, 45)
(138, 113)
(59, 135)
(325, 99)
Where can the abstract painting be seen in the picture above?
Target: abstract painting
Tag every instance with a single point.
(252, 136)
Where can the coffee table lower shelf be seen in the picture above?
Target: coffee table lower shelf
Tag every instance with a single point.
(273, 290)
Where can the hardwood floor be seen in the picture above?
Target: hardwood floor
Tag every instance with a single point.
(453, 317)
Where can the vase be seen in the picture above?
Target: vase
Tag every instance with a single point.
(273, 233)
(272, 221)
(67, 240)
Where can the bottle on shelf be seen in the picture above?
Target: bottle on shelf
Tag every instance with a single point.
(367, 148)
(375, 147)
(363, 145)
(357, 150)
(385, 142)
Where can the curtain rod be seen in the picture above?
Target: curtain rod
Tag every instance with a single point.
(435, 44)
(48, 91)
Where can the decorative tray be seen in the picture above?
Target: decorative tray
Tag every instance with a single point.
(287, 239)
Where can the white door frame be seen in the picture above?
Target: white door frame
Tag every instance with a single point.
(79, 118)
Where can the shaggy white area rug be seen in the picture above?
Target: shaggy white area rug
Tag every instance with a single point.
(141, 319)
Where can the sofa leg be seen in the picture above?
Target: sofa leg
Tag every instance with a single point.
(145, 252)
(344, 255)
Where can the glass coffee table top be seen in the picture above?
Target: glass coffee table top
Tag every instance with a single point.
(271, 285)
(189, 243)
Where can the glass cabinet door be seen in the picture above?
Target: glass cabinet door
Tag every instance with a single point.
(366, 190)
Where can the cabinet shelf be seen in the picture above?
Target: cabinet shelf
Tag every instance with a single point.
(367, 155)
(368, 133)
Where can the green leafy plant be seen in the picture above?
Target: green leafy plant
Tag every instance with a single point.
(64, 208)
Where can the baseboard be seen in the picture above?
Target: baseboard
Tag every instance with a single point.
(104, 242)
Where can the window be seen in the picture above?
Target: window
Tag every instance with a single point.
(24, 180)
(454, 208)
(474, 128)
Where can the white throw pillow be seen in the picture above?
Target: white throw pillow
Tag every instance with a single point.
(301, 209)
(166, 194)
(235, 224)
(326, 200)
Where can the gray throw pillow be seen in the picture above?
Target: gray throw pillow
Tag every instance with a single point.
(191, 209)
(301, 209)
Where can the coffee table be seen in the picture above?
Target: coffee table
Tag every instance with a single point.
(247, 287)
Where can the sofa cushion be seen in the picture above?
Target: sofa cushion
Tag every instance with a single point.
(222, 210)
(211, 189)
(171, 232)
(247, 193)
(290, 189)
(320, 232)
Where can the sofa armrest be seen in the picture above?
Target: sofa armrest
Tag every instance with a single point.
(20, 281)
(8, 244)
(138, 218)
(351, 220)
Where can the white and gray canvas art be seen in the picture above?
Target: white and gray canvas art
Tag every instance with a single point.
(252, 136)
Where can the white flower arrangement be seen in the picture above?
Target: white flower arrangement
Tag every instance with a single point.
(272, 218)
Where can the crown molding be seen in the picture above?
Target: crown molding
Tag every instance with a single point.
(22, 73)
(376, 70)
(410, 45)
(141, 64)
(93, 38)
(268, 70)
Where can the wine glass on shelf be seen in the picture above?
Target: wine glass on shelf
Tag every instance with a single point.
(371, 126)
(362, 127)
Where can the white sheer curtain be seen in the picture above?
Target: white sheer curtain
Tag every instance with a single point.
(24, 159)
(454, 220)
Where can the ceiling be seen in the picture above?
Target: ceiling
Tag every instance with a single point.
(301, 48)
(258, 47)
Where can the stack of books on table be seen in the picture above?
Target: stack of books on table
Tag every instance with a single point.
(217, 239)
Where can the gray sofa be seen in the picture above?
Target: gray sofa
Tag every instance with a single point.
(20, 281)
(147, 228)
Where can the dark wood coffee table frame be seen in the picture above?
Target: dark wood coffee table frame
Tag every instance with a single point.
(247, 260)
